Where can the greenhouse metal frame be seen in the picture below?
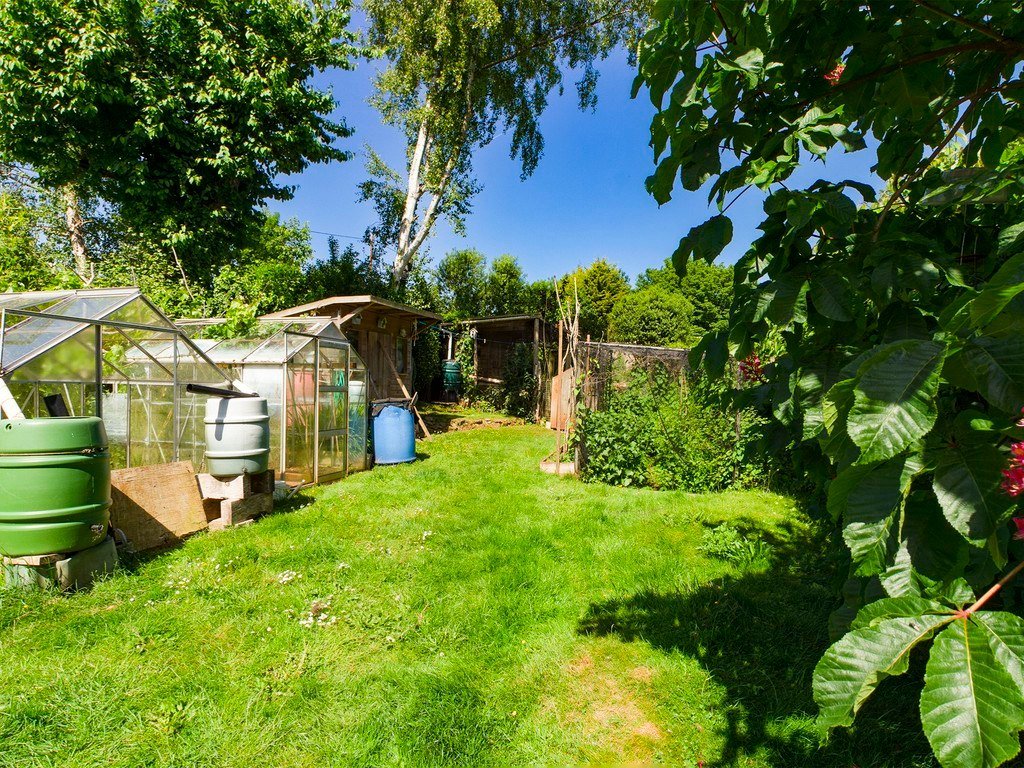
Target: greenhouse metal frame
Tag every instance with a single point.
(315, 384)
(93, 350)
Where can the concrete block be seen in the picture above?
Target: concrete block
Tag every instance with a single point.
(75, 571)
(236, 487)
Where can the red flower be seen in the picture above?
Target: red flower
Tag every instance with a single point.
(1013, 481)
(833, 77)
(1019, 533)
(1017, 451)
(750, 368)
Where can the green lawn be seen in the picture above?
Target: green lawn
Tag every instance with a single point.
(471, 611)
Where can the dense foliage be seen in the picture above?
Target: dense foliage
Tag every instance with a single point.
(653, 316)
(598, 286)
(899, 376)
(181, 115)
(660, 431)
(708, 287)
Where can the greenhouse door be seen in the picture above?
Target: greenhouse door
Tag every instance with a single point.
(332, 410)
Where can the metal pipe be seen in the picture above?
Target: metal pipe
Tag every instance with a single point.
(205, 389)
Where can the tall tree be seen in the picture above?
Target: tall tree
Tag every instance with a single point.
(183, 115)
(28, 261)
(898, 378)
(505, 289)
(459, 73)
(461, 283)
(707, 286)
(653, 316)
(599, 286)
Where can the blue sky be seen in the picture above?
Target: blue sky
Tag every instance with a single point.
(586, 199)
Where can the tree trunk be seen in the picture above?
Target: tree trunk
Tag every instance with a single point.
(76, 235)
(409, 244)
(412, 199)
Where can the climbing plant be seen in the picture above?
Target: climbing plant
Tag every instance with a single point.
(900, 377)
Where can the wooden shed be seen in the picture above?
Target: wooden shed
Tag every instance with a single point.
(494, 339)
(381, 331)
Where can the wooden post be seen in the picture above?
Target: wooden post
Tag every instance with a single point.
(476, 363)
(536, 367)
(560, 366)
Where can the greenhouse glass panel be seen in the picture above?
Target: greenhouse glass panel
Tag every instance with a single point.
(108, 353)
(303, 369)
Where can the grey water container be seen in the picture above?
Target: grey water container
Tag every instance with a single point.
(237, 435)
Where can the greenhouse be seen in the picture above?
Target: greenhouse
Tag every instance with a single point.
(315, 386)
(108, 353)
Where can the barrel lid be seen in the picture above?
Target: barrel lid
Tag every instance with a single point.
(53, 435)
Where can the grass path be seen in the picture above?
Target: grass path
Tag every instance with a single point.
(463, 610)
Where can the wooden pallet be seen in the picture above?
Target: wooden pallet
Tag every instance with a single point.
(231, 501)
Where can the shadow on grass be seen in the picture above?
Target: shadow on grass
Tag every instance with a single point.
(759, 636)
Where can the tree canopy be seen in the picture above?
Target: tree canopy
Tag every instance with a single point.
(894, 326)
(653, 316)
(182, 115)
(708, 287)
(599, 286)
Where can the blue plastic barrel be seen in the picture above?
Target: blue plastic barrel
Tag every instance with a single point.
(394, 436)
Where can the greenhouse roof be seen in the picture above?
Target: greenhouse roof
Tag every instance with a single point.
(273, 343)
(34, 322)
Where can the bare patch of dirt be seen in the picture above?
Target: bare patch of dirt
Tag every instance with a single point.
(643, 674)
(607, 707)
(444, 423)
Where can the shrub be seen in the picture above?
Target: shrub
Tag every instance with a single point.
(426, 362)
(726, 542)
(655, 317)
(660, 432)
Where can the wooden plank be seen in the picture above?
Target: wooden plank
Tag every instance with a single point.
(158, 505)
(405, 391)
(561, 393)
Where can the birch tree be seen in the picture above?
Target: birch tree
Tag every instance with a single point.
(460, 72)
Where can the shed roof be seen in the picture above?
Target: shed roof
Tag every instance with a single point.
(346, 307)
(521, 325)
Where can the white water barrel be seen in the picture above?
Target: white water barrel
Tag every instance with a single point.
(237, 435)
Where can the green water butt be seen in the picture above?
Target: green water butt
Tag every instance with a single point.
(54, 485)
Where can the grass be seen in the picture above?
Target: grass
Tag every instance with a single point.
(462, 610)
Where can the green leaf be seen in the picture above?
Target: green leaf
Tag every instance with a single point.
(705, 241)
(894, 608)
(1005, 285)
(853, 667)
(931, 554)
(966, 483)
(789, 300)
(971, 707)
(1006, 637)
(894, 400)
(1010, 240)
(872, 510)
(997, 365)
(830, 294)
